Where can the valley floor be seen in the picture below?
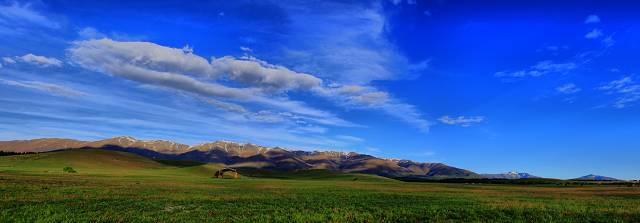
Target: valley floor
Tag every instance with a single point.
(57, 197)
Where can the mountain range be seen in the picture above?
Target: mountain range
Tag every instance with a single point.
(250, 156)
(592, 177)
(509, 175)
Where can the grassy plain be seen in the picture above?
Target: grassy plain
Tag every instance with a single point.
(122, 187)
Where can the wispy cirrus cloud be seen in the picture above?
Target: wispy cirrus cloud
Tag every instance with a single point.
(567, 65)
(539, 69)
(569, 88)
(626, 89)
(345, 43)
(50, 88)
(464, 121)
(16, 14)
(366, 97)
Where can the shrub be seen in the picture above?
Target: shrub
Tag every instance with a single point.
(68, 169)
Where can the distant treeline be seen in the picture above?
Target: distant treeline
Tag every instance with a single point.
(484, 181)
(530, 181)
(7, 153)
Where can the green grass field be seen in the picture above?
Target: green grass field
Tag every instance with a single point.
(121, 187)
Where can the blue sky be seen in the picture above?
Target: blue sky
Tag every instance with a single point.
(542, 87)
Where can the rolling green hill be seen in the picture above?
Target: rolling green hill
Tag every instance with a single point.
(118, 163)
(104, 162)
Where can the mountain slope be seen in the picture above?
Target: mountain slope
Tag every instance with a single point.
(250, 156)
(82, 160)
(592, 177)
(509, 175)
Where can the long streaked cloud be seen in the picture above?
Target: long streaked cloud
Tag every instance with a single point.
(102, 54)
(50, 88)
(367, 97)
(254, 72)
(180, 69)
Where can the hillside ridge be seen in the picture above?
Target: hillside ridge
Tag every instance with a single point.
(247, 155)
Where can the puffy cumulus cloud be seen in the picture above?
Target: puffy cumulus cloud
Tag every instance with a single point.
(569, 88)
(15, 14)
(255, 72)
(626, 89)
(594, 34)
(45, 87)
(539, 69)
(592, 19)
(461, 120)
(41, 61)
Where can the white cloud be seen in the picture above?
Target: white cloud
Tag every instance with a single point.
(144, 56)
(18, 14)
(592, 19)
(626, 89)
(254, 72)
(461, 120)
(180, 69)
(539, 69)
(226, 106)
(350, 138)
(8, 60)
(366, 97)
(346, 43)
(90, 33)
(46, 87)
(569, 88)
(40, 60)
(594, 34)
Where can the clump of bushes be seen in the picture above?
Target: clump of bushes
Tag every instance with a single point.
(68, 169)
